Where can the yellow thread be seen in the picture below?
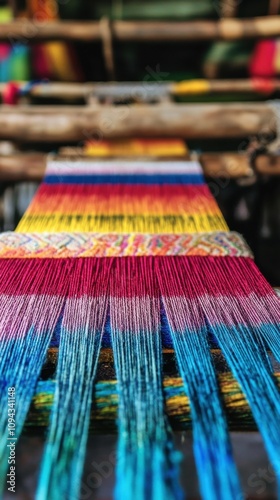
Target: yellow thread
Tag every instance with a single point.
(191, 87)
(134, 147)
(123, 224)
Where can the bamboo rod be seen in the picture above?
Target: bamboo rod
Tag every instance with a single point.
(142, 31)
(191, 121)
(30, 167)
(62, 90)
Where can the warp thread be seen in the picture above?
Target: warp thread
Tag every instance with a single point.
(194, 296)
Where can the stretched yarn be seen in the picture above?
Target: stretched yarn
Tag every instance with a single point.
(189, 336)
(127, 197)
(31, 302)
(136, 256)
(80, 341)
(136, 341)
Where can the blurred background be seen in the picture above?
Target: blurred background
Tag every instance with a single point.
(251, 204)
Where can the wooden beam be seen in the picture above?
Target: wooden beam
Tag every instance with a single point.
(236, 165)
(229, 165)
(142, 31)
(142, 90)
(24, 167)
(190, 121)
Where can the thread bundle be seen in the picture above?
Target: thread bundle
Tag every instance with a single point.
(127, 197)
(141, 280)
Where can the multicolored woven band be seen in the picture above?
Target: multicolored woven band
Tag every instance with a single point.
(66, 245)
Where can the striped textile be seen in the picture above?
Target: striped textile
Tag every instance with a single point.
(123, 197)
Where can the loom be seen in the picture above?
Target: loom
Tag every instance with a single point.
(131, 262)
(135, 326)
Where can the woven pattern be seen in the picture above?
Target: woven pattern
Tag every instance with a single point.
(66, 245)
(158, 268)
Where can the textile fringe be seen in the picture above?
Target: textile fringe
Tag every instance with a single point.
(80, 341)
(198, 295)
(31, 301)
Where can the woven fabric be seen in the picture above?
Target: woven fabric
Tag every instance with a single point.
(158, 268)
(66, 245)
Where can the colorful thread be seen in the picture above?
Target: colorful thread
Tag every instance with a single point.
(74, 245)
(132, 198)
(138, 288)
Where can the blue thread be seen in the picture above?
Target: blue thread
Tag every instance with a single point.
(147, 464)
(20, 365)
(148, 179)
(218, 477)
(106, 337)
(64, 454)
(55, 340)
(243, 352)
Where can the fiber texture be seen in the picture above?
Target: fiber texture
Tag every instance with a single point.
(80, 341)
(162, 197)
(136, 257)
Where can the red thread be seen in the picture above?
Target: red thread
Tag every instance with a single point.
(262, 62)
(10, 94)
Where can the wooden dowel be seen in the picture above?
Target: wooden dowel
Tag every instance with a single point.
(256, 86)
(191, 121)
(24, 167)
(135, 90)
(142, 31)
(57, 90)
